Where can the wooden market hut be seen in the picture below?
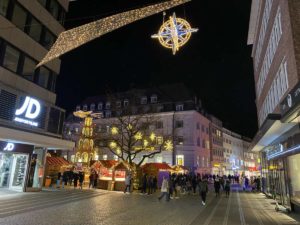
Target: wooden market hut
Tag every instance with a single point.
(180, 169)
(104, 168)
(159, 170)
(120, 171)
(54, 165)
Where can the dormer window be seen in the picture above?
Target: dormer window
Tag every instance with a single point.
(92, 107)
(84, 107)
(144, 100)
(179, 107)
(78, 108)
(126, 103)
(153, 99)
(100, 106)
(118, 104)
(107, 105)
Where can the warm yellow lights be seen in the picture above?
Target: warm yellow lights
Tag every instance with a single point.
(138, 136)
(114, 130)
(112, 144)
(145, 143)
(174, 33)
(81, 35)
(129, 127)
(152, 136)
(168, 145)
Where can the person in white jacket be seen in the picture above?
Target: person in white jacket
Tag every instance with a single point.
(164, 189)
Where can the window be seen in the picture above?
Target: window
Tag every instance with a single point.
(203, 143)
(179, 140)
(49, 40)
(85, 108)
(78, 108)
(92, 107)
(126, 103)
(108, 114)
(178, 123)
(207, 144)
(144, 100)
(207, 130)
(28, 69)
(159, 140)
(153, 99)
(43, 2)
(107, 105)
(203, 128)
(43, 77)
(19, 17)
(54, 8)
(104, 157)
(198, 141)
(202, 163)
(180, 160)
(179, 107)
(11, 58)
(100, 105)
(35, 30)
(198, 126)
(3, 7)
(118, 104)
(159, 124)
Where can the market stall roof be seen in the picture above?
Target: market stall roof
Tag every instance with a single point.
(57, 161)
(179, 167)
(105, 163)
(121, 166)
(160, 166)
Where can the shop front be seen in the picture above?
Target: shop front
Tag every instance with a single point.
(14, 165)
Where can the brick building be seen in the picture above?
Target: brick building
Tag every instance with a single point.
(274, 32)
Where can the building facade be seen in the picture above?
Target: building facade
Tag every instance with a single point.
(30, 122)
(177, 116)
(274, 32)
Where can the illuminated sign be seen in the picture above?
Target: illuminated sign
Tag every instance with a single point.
(9, 147)
(30, 109)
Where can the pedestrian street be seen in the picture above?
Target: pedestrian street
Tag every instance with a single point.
(93, 207)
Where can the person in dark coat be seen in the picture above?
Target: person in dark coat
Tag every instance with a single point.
(64, 179)
(154, 184)
(227, 187)
(217, 186)
(76, 177)
(203, 189)
(81, 178)
(95, 181)
(144, 184)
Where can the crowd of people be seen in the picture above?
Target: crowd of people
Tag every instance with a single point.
(71, 178)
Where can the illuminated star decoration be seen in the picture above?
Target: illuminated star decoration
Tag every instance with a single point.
(174, 33)
(71, 39)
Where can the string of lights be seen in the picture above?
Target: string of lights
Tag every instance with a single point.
(71, 39)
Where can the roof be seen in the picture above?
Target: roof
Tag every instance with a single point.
(106, 163)
(57, 161)
(160, 166)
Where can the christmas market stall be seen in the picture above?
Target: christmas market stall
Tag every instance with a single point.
(54, 165)
(158, 170)
(119, 174)
(178, 169)
(104, 169)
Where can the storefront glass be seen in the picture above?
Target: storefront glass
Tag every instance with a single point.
(36, 168)
(294, 177)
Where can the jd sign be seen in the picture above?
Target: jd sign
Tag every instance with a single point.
(31, 108)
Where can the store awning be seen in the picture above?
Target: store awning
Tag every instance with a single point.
(57, 161)
(160, 166)
(272, 129)
(38, 140)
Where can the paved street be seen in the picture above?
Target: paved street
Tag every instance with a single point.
(91, 207)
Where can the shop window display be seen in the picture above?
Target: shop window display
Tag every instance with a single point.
(294, 176)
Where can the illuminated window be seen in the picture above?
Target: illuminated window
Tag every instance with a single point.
(180, 160)
(159, 140)
(144, 100)
(104, 157)
(108, 114)
(153, 99)
(179, 107)
(78, 108)
(85, 108)
(180, 140)
(116, 158)
(159, 159)
(72, 158)
(107, 105)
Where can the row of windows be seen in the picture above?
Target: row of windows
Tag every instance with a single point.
(217, 141)
(217, 132)
(23, 19)
(205, 143)
(18, 62)
(55, 9)
(262, 32)
(218, 152)
(204, 161)
(203, 128)
(100, 106)
(227, 141)
(278, 88)
(270, 52)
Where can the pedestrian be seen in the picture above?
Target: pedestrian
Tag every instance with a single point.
(217, 186)
(64, 179)
(92, 178)
(150, 184)
(164, 190)
(127, 184)
(70, 177)
(96, 179)
(75, 177)
(58, 180)
(81, 178)
(203, 189)
(258, 184)
(227, 187)
(154, 184)
(222, 182)
(144, 184)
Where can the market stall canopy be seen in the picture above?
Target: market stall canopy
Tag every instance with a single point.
(179, 168)
(57, 161)
(121, 166)
(159, 166)
(104, 163)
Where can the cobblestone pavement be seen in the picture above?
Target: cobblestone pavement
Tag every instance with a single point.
(96, 207)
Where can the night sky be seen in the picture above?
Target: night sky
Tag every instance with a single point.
(216, 63)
